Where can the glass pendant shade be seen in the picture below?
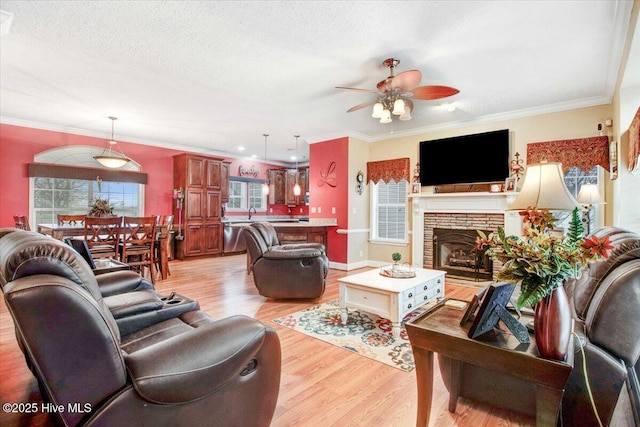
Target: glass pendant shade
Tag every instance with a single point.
(265, 188)
(377, 110)
(407, 114)
(296, 189)
(386, 116)
(398, 107)
(111, 158)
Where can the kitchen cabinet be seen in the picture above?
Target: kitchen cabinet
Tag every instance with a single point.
(206, 182)
(277, 186)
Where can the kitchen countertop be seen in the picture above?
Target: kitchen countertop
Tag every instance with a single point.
(313, 222)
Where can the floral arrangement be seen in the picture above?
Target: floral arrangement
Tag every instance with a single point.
(100, 208)
(542, 261)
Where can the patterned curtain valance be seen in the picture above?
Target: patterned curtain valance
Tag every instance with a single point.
(387, 170)
(583, 153)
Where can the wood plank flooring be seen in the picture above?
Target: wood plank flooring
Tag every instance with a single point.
(321, 385)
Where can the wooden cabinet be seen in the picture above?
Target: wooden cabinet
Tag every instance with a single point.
(281, 189)
(277, 187)
(204, 180)
(224, 178)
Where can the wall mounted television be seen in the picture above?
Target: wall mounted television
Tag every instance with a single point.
(467, 159)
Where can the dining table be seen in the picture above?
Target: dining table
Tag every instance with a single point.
(61, 231)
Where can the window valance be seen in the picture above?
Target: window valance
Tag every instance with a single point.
(387, 170)
(51, 170)
(583, 153)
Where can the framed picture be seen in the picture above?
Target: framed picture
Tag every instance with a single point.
(613, 160)
(496, 188)
(486, 316)
(510, 184)
(415, 188)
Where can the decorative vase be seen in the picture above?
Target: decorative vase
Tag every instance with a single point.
(552, 325)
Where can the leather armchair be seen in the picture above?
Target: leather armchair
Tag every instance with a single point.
(132, 300)
(606, 304)
(285, 271)
(178, 371)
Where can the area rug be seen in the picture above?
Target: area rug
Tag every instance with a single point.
(365, 334)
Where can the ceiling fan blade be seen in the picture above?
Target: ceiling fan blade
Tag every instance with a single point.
(355, 88)
(361, 106)
(406, 80)
(433, 92)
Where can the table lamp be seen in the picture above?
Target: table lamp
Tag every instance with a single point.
(588, 196)
(544, 188)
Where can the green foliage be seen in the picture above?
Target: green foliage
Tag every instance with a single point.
(576, 229)
(540, 262)
(396, 256)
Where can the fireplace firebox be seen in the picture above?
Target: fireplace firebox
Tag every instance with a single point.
(454, 251)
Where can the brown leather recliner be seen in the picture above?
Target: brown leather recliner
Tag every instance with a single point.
(132, 300)
(176, 372)
(285, 271)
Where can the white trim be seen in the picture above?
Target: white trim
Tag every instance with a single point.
(352, 230)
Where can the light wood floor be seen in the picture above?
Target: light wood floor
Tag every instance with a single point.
(321, 385)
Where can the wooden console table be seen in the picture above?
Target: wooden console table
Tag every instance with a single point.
(439, 330)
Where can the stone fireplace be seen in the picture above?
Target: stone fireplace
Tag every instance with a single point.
(462, 214)
(455, 252)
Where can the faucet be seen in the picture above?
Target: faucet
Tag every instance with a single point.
(254, 211)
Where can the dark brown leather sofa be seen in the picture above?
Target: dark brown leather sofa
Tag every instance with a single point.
(187, 370)
(285, 271)
(606, 305)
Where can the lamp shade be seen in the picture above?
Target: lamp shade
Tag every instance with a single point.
(544, 188)
(377, 110)
(386, 116)
(590, 195)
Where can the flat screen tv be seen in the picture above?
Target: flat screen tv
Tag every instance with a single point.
(468, 159)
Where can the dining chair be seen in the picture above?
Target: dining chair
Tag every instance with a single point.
(102, 235)
(71, 219)
(21, 222)
(138, 241)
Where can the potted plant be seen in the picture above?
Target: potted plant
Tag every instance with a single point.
(396, 257)
(100, 208)
(541, 262)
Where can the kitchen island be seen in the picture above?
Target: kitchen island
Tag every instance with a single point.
(289, 231)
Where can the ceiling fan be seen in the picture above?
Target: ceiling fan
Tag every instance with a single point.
(395, 93)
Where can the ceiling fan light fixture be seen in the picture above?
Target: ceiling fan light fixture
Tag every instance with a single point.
(398, 107)
(111, 158)
(386, 116)
(377, 110)
(407, 114)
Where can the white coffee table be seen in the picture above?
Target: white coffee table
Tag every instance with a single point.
(388, 297)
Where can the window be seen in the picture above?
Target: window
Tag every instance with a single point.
(574, 178)
(53, 196)
(245, 194)
(389, 212)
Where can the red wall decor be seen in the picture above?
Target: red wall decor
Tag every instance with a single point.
(328, 170)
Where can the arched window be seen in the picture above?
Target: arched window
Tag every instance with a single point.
(51, 196)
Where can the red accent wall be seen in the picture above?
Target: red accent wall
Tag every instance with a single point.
(325, 196)
(19, 145)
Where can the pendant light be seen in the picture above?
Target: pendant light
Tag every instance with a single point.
(296, 187)
(265, 186)
(110, 157)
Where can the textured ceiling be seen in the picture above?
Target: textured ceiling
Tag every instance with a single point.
(213, 76)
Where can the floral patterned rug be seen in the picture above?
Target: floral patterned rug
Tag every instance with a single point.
(366, 334)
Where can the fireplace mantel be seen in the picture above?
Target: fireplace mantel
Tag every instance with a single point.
(466, 203)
